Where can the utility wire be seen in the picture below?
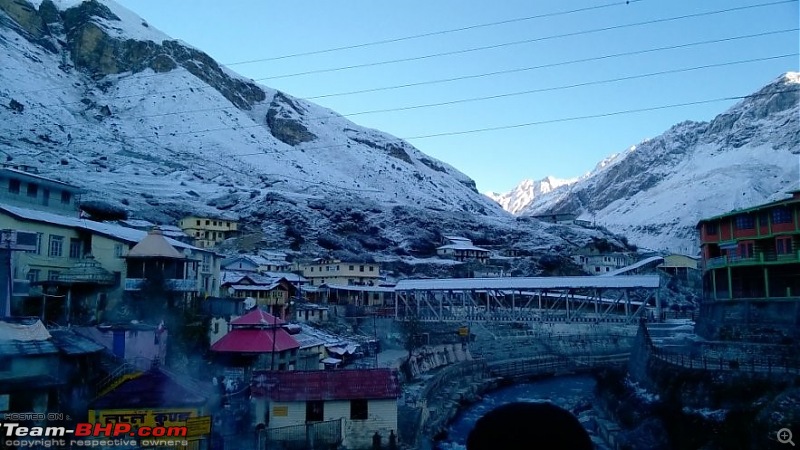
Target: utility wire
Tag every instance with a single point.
(544, 66)
(524, 41)
(402, 140)
(433, 33)
(483, 98)
(482, 75)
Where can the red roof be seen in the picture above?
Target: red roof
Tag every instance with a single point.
(299, 386)
(242, 340)
(257, 317)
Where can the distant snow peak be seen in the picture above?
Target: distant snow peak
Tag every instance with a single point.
(527, 191)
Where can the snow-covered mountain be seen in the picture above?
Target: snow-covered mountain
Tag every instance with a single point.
(93, 95)
(655, 192)
(527, 192)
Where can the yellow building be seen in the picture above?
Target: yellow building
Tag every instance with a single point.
(84, 262)
(333, 271)
(208, 231)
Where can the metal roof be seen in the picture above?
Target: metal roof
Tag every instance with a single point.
(586, 282)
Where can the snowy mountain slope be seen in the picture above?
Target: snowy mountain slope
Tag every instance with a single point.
(92, 95)
(656, 192)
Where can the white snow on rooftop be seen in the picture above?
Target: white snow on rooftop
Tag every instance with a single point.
(634, 266)
(634, 281)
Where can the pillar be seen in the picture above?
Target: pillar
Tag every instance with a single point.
(730, 284)
(766, 282)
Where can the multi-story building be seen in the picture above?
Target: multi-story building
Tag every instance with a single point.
(462, 249)
(29, 190)
(208, 231)
(750, 262)
(333, 271)
(598, 263)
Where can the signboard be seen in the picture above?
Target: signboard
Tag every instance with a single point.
(145, 417)
(198, 426)
(280, 411)
(463, 331)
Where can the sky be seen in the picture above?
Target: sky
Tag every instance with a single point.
(580, 58)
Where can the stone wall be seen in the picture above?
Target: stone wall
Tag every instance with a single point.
(775, 321)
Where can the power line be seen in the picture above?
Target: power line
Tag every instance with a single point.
(489, 97)
(433, 33)
(525, 41)
(474, 130)
(488, 74)
(544, 66)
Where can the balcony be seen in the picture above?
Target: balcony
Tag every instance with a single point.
(189, 285)
(760, 258)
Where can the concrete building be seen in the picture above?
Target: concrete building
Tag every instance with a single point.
(461, 249)
(750, 262)
(208, 232)
(29, 190)
(598, 263)
(334, 271)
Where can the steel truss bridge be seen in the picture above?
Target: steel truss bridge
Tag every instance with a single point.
(529, 299)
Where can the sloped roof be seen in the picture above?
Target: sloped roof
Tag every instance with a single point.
(298, 386)
(154, 245)
(257, 317)
(243, 340)
(462, 246)
(152, 389)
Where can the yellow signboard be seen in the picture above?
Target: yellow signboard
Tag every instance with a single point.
(198, 426)
(144, 417)
(280, 411)
(463, 331)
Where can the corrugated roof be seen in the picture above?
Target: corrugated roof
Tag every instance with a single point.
(74, 344)
(243, 340)
(26, 348)
(299, 386)
(154, 245)
(587, 282)
(358, 288)
(462, 246)
(152, 389)
(130, 235)
(257, 317)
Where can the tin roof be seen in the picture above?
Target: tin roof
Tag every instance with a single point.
(152, 389)
(299, 386)
(257, 317)
(244, 340)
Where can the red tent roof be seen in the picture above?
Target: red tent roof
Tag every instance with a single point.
(257, 317)
(298, 386)
(255, 341)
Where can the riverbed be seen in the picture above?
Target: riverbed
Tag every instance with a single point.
(573, 393)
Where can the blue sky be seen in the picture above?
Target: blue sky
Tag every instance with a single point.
(245, 30)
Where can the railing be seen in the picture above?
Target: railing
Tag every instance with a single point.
(310, 435)
(187, 285)
(758, 258)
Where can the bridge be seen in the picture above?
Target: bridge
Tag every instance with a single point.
(617, 299)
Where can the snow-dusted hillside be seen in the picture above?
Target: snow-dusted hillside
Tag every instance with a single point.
(655, 192)
(93, 95)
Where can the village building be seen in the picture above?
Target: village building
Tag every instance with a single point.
(461, 249)
(154, 398)
(358, 404)
(562, 218)
(370, 296)
(307, 312)
(596, 262)
(208, 232)
(683, 267)
(169, 231)
(334, 271)
(750, 261)
(30, 190)
(257, 340)
(82, 267)
(257, 263)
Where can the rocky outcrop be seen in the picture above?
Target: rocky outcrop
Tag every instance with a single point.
(283, 119)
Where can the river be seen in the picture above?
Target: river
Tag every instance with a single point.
(573, 393)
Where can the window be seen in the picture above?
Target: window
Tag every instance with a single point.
(783, 245)
(711, 228)
(38, 250)
(337, 267)
(352, 268)
(745, 222)
(372, 268)
(75, 247)
(52, 275)
(56, 248)
(746, 250)
(66, 197)
(216, 327)
(596, 269)
(5, 364)
(45, 197)
(33, 275)
(315, 411)
(312, 269)
(359, 410)
(33, 190)
(118, 250)
(206, 266)
(781, 215)
(360, 268)
(13, 186)
(198, 223)
(207, 222)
